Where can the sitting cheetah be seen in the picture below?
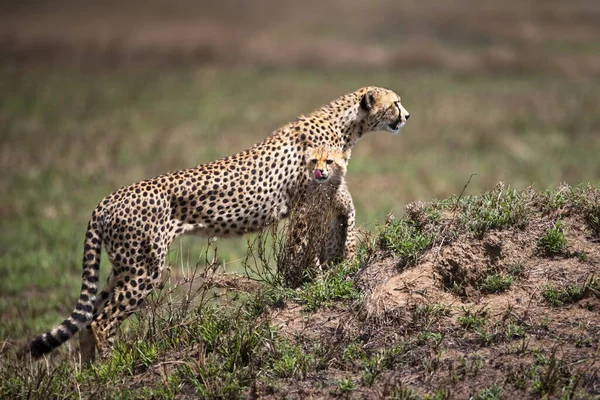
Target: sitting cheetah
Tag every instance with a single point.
(328, 166)
(306, 239)
(232, 196)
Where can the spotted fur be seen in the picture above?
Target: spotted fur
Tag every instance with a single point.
(327, 168)
(229, 197)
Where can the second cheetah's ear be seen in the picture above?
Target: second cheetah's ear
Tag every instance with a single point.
(308, 151)
(366, 103)
(346, 155)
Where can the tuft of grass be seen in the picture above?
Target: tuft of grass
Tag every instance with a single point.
(501, 207)
(570, 293)
(405, 239)
(290, 361)
(345, 385)
(333, 285)
(592, 217)
(496, 283)
(472, 320)
(493, 392)
(553, 241)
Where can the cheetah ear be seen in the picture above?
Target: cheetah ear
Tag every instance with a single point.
(308, 151)
(367, 101)
(346, 155)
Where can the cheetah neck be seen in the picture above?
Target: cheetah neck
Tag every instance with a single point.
(349, 126)
(343, 120)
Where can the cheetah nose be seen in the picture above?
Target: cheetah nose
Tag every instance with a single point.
(318, 173)
(407, 116)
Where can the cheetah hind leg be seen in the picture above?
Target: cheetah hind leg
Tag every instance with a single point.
(87, 342)
(129, 293)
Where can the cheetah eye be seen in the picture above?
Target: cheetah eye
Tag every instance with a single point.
(329, 162)
(313, 161)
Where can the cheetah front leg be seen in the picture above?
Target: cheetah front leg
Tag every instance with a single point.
(341, 238)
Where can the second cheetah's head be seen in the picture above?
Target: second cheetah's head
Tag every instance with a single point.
(384, 111)
(326, 164)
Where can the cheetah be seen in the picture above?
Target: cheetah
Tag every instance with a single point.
(228, 197)
(328, 166)
(308, 228)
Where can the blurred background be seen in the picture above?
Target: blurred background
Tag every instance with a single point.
(98, 95)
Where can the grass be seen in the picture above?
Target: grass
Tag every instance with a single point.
(571, 292)
(405, 239)
(493, 392)
(71, 137)
(193, 341)
(496, 283)
(502, 207)
(553, 241)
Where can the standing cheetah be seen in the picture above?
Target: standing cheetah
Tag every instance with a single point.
(232, 196)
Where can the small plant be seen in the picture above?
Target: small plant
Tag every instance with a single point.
(553, 200)
(583, 256)
(571, 293)
(501, 207)
(291, 361)
(494, 392)
(472, 320)
(345, 385)
(592, 217)
(352, 352)
(398, 391)
(546, 373)
(372, 369)
(383, 359)
(516, 270)
(496, 283)
(405, 239)
(514, 330)
(328, 287)
(553, 241)
(425, 315)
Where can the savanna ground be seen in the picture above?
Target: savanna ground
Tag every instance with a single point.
(448, 301)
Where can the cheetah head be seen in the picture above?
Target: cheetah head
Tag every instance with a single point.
(326, 164)
(383, 109)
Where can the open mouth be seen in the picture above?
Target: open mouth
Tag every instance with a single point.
(321, 179)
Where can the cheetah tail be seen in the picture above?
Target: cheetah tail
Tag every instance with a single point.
(82, 314)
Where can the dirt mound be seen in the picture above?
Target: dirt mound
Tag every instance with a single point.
(501, 297)
(451, 275)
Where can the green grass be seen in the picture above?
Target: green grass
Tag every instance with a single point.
(502, 207)
(553, 241)
(404, 238)
(71, 137)
(559, 295)
(496, 283)
(493, 392)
